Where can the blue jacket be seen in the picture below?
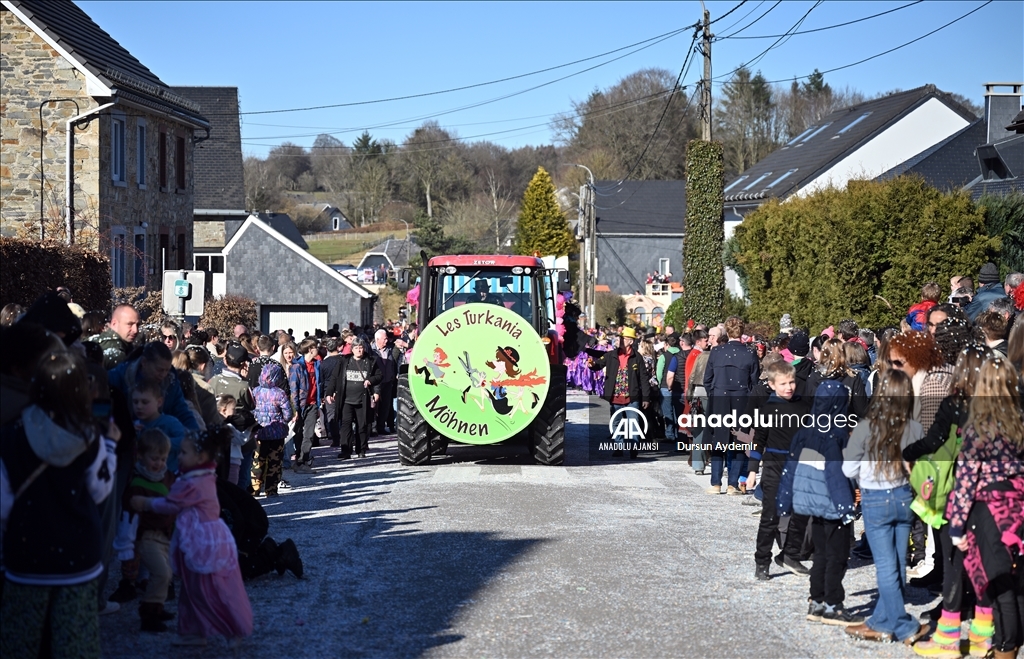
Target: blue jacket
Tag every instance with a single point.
(298, 383)
(123, 377)
(985, 295)
(812, 481)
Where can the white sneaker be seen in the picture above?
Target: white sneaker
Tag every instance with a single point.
(111, 607)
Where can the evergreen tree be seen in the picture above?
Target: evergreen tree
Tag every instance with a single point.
(542, 226)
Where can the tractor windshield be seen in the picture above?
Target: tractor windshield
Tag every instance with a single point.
(514, 292)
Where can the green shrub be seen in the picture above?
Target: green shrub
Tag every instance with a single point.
(852, 253)
(703, 272)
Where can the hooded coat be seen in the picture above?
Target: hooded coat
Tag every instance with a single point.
(273, 409)
(75, 473)
(812, 481)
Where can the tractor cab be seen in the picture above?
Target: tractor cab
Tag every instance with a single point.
(519, 283)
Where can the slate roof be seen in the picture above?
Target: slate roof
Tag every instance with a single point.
(282, 223)
(100, 54)
(220, 183)
(996, 188)
(823, 145)
(948, 165)
(640, 207)
(398, 251)
(1017, 125)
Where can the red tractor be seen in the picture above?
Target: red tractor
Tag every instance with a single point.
(487, 366)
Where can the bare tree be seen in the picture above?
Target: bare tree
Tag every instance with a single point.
(262, 188)
(432, 164)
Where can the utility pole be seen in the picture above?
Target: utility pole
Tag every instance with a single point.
(705, 100)
(588, 264)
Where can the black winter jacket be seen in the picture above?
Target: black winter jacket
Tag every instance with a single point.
(639, 386)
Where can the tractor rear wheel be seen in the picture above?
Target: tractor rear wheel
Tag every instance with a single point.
(547, 432)
(414, 433)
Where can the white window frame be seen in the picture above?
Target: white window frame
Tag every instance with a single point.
(663, 266)
(118, 257)
(117, 148)
(140, 153)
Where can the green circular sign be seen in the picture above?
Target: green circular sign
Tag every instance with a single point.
(479, 373)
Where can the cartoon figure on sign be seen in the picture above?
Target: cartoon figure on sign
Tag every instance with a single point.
(505, 365)
(477, 378)
(433, 369)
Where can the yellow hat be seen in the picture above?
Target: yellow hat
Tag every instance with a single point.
(628, 333)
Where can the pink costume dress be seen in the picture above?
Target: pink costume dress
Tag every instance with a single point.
(203, 552)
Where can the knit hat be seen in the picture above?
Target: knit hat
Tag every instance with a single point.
(786, 323)
(989, 274)
(799, 344)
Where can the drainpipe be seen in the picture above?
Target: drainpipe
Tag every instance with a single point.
(69, 173)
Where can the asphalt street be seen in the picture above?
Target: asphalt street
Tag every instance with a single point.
(483, 553)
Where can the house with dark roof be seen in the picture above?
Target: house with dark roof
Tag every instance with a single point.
(111, 166)
(639, 228)
(329, 216)
(858, 142)
(392, 253)
(292, 288)
(986, 157)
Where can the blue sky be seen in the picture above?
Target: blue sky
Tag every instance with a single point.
(296, 55)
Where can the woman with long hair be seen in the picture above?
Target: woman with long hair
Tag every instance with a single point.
(986, 507)
(874, 457)
(952, 415)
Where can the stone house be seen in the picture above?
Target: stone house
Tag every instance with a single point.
(131, 140)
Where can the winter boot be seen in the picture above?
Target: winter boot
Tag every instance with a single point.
(289, 559)
(125, 592)
(163, 614)
(150, 614)
(982, 629)
(945, 642)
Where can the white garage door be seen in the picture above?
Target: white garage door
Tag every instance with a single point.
(298, 318)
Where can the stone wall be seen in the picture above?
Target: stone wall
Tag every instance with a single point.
(31, 72)
(127, 205)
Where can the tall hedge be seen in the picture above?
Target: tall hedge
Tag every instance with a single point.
(703, 272)
(29, 268)
(862, 253)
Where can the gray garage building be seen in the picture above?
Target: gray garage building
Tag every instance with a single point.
(293, 288)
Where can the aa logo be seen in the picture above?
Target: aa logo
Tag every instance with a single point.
(625, 425)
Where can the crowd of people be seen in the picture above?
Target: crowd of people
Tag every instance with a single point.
(918, 430)
(150, 446)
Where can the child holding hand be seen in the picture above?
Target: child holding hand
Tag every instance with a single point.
(213, 600)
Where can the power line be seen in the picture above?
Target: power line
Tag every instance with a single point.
(664, 111)
(658, 38)
(517, 93)
(767, 11)
(611, 109)
(742, 2)
(875, 56)
(778, 42)
(829, 27)
(740, 20)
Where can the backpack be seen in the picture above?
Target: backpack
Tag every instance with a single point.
(932, 479)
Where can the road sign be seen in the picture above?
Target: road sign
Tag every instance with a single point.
(184, 292)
